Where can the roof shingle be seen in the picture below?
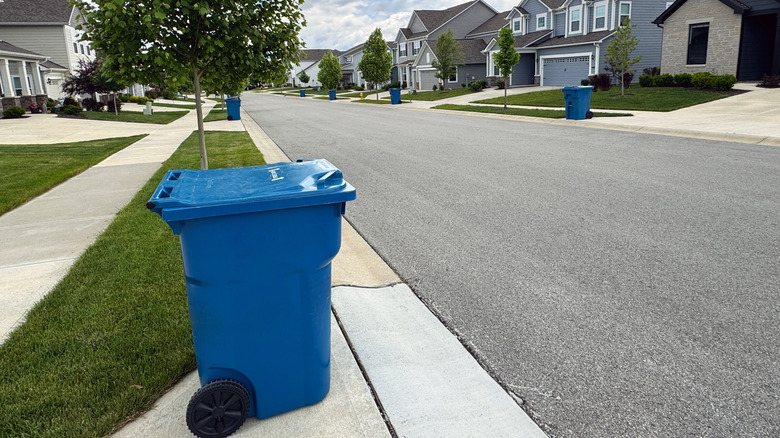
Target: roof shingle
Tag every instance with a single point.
(432, 19)
(491, 25)
(35, 11)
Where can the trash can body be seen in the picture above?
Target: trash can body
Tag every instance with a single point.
(395, 96)
(577, 102)
(332, 94)
(303, 93)
(257, 243)
(233, 104)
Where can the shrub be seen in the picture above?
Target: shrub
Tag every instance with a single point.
(169, 93)
(665, 80)
(702, 80)
(627, 78)
(395, 84)
(724, 82)
(152, 94)
(682, 79)
(110, 105)
(435, 87)
(69, 101)
(601, 81)
(462, 85)
(133, 99)
(72, 110)
(475, 86)
(91, 104)
(124, 98)
(651, 71)
(14, 112)
(358, 88)
(769, 81)
(483, 83)
(142, 100)
(51, 103)
(500, 84)
(646, 80)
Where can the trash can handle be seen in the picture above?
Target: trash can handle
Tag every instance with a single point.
(164, 190)
(333, 178)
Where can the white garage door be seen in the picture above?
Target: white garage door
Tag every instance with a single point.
(565, 72)
(428, 80)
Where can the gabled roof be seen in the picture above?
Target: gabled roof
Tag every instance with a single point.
(391, 44)
(472, 51)
(568, 41)
(553, 4)
(53, 66)
(432, 19)
(35, 11)
(352, 51)
(410, 36)
(315, 55)
(491, 25)
(518, 9)
(522, 41)
(6, 47)
(737, 6)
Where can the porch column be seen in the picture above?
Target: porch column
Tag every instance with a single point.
(5, 72)
(37, 79)
(25, 87)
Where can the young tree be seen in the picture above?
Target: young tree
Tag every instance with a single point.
(189, 40)
(620, 49)
(91, 78)
(448, 57)
(304, 78)
(506, 57)
(330, 71)
(377, 61)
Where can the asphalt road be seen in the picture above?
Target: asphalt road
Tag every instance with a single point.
(620, 284)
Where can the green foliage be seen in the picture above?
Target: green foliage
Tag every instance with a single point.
(601, 81)
(702, 80)
(683, 79)
(664, 80)
(330, 71)
(377, 61)
(436, 87)
(619, 51)
(395, 84)
(51, 103)
(506, 57)
(152, 94)
(475, 86)
(724, 82)
(72, 110)
(14, 112)
(448, 56)
(500, 84)
(646, 80)
(769, 81)
(303, 77)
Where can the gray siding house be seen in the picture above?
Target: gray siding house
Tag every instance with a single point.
(741, 38)
(20, 77)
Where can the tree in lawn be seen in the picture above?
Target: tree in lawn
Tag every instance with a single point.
(304, 78)
(448, 57)
(91, 78)
(377, 61)
(330, 71)
(506, 57)
(619, 52)
(189, 40)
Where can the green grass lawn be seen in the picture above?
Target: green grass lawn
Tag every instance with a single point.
(31, 170)
(114, 333)
(215, 114)
(172, 105)
(550, 114)
(434, 95)
(365, 93)
(637, 98)
(374, 101)
(159, 117)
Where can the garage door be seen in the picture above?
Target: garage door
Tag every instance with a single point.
(565, 72)
(428, 80)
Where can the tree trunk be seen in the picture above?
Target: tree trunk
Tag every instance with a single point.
(622, 84)
(116, 111)
(222, 96)
(506, 83)
(375, 86)
(204, 161)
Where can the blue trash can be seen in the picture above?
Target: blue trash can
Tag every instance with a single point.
(233, 104)
(395, 96)
(577, 102)
(303, 92)
(332, 94)
(257, 243)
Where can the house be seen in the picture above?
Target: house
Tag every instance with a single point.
(310, 63)
(473, 66)
(413, 65)
(349, 61)
(562, 42)
(46, 27)
(741, 38)
(20, 77)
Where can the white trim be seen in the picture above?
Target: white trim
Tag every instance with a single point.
(620, 6)
(597, 5)
(567, 55)
(538, 16)
(456, 77)
(612, 15)
(519, 20)
(569, 20)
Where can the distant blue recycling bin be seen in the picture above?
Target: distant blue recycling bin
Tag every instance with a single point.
(233, 107)
(257, 244)
(332, 94)
(577, 100)
(395, 96)
(303, 92)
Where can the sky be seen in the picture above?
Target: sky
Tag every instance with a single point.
(342, 24)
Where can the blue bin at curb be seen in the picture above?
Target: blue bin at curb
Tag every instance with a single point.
(332, 94)
(395, 96)
(233, 104)
(577, 100)
(303, 93)
(257, 244)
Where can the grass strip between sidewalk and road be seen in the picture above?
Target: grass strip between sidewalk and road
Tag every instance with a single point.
(173, 105)
(434, 95)
(32, 169)
(114, 334)
(374, 101)
(529, 112)
(637, 98)
(159, 117)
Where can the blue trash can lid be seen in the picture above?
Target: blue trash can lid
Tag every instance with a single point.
(192, 194)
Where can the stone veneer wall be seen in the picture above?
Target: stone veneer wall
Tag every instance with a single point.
(722, 46)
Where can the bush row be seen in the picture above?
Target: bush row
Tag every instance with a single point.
(702, 80)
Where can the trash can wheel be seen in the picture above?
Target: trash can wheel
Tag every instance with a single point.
(589, 115)
(218, 409)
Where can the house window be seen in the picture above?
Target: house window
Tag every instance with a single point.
(625, 12)
(493, 66)
(541, 21)
(75, 48)
(82, 48)
(517, 24)
(454, 76)
(415, 48)
(88, 52)
(402, 49)
(600, 16)
(17, 83)
(697, 43)
(428, 58)
(575, 19)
